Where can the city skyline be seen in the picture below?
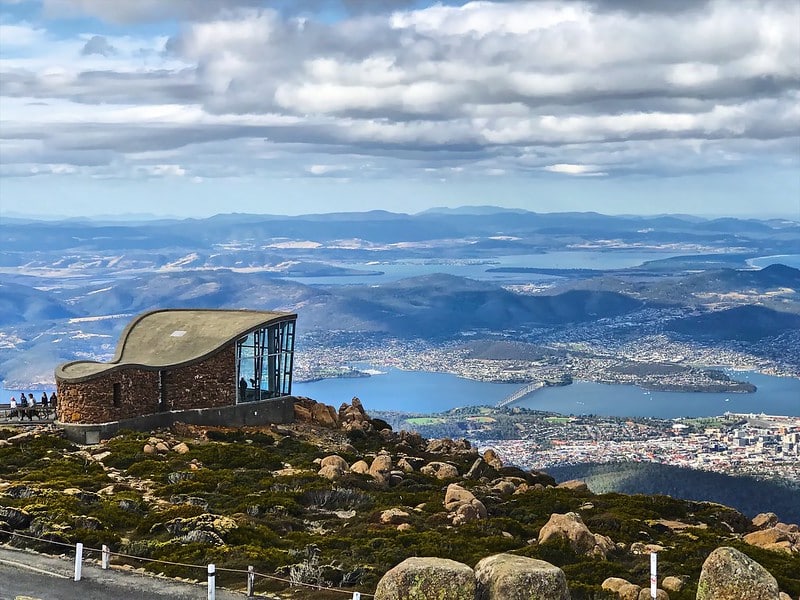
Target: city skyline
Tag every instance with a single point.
(193, 109)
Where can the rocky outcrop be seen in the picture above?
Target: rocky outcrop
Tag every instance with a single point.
(779, 538)
(440, 470)
(394, 516)
(353, 417)
(510, 577)
(462, 505)
(480, 469)
(672, 583)
(498, 577)
(625, 590)
(381, 468)
(446, 446)
(570, 527)
(307, 410)
(427, 579)
(731, 575)
(360, 466)
(765, 520)
(490, 457)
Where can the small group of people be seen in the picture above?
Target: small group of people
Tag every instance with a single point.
(27, 407)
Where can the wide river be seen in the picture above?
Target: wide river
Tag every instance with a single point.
(423, 392)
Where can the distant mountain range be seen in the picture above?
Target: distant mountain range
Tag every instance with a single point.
(64, 283)
(386, 227)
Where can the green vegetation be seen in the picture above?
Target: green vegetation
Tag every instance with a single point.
(228, 500)
(425, 420)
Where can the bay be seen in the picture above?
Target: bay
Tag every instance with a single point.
(790, 260)
(422, 392)
(477, 268)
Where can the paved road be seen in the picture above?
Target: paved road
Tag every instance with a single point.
(40, 577)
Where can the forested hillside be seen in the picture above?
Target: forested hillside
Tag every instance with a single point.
(746, 494)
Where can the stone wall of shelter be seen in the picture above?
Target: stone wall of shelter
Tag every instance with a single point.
(93, 401)
(210, 383)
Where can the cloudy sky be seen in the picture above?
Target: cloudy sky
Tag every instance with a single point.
(196, 107)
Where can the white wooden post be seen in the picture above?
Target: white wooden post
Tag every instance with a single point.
(78, 560)
(356, 595)
(251, 578)
(212, 572)
(105, 555)
(653, 574)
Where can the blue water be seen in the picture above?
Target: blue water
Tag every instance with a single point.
(477, 269)
(415, 391)
(412, 391)
(790, 260)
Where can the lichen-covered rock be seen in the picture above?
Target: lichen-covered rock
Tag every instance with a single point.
(673, 584)
(570, 527)
(307, 410)
(427, 579)
(510, 577)
(504, 487)
(405, 465)
(463, 504)
(779, 538)
(91, 523)
(480, 468)
(381, 467)
(447, 446)
(331, 472)
(217, 524)
(765, 520)
(336, 461)
(645, 594)
(629, 591)
(353, 417)
(394, 516)
(440, 470)
(491, 458)
(360, 466)
(202, 537)
(613, 584)
(731, 575)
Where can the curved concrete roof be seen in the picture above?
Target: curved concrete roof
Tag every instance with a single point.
(173, 337)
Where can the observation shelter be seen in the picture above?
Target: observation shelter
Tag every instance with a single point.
(205, 367)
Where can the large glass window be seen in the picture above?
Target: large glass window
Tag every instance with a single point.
(264, 360)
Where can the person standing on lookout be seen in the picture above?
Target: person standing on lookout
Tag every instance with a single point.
(12, 408)
(31, 406)
(242, 388)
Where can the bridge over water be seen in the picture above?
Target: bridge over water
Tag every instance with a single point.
(521, 393)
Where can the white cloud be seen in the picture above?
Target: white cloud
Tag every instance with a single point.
(581, 170)
(20, 35)
(516, 87)
(324, 169)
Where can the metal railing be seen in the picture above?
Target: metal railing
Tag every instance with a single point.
(211, 569)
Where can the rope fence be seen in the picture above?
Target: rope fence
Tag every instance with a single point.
(211, 569)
